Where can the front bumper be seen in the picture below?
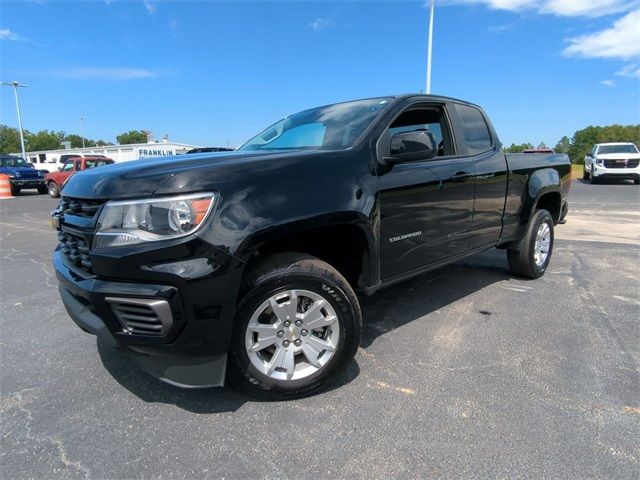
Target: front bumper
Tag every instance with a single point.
(27, 183)
(601, 172)
(192, 352)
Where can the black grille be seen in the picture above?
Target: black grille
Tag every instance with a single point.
(75, 249)
(631, 163)
(30, 174)
(80, 206)
(142, 316)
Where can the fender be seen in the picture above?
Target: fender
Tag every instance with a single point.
(278, 234)
(540, 183)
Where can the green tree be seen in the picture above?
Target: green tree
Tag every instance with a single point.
(542, 145)
(9, 139)
(563, 145)
(132, 136)
(43, 140)
(76, 141)
(513, 148)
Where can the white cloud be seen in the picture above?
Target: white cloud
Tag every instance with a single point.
(150, 6)
(608, 83)
(563, 8)
(6, 34)
(320, 24)
(85, 73)
(622, 40)
(632, 70)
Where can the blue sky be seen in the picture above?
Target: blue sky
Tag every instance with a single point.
(213, 72)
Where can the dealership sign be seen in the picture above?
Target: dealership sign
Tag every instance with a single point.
(155, 152)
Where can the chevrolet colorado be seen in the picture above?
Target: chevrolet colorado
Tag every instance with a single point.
(247, 265)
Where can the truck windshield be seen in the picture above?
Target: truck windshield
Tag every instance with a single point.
(13, 162)
(603, 149)
(335, 126)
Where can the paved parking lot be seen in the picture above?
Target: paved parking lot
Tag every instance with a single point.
(462, 372)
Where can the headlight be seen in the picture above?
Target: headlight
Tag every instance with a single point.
(17, 174)
(40, 174)
(599, 161)
(130, 222)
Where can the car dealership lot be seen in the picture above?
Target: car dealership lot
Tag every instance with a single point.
(464, 371)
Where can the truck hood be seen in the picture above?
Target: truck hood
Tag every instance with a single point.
(13, 170)
(172, 175)
(617, 156)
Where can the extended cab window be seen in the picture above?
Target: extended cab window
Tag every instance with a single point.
(68, 167)
(432, 119)
(474, 128)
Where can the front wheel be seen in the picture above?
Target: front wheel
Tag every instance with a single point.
(585, 174)
(592, 179)
(14, 190)
(42, 189)
(532, 257)
(296, 329)
(54, 191)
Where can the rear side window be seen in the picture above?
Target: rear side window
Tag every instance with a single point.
(474, 128)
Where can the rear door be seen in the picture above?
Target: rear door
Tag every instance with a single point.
(425, 205)
(491, 173)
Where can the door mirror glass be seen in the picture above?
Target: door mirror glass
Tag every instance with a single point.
(415, 145)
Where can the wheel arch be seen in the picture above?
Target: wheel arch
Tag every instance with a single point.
(345, 241)
(543, 191)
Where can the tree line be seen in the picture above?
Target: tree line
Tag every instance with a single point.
(583, 140)
(52, 140)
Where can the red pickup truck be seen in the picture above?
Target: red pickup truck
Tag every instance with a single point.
(55, 180)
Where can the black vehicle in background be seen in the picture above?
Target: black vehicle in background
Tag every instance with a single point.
(209, 150)
(247, 265)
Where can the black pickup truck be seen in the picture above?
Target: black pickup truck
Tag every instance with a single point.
(247, 265)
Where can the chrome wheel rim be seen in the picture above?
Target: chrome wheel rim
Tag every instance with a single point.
(292, 335)
(543, 244)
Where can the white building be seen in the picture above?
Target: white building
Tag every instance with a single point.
(52, 159)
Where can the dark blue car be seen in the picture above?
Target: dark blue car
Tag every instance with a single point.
(21, 174)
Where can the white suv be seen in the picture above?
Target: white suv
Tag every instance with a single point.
(612, 160)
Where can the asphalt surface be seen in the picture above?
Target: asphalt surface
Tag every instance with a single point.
(463, 372)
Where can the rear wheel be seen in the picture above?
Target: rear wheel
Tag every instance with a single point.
(297, 327)
(54, 191)
(532, 257)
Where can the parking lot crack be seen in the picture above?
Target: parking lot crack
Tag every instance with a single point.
(62, 453)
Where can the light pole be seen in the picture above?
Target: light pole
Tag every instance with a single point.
(82, 130)
(15, 86)
(430, 45)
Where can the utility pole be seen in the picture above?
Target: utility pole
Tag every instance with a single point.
(15, 86)
(82, 130)
(430, 45)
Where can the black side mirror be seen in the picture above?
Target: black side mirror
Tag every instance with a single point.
(416, 145)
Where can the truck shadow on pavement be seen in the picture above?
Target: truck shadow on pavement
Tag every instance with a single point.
(383, 312)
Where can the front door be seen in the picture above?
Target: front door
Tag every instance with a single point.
(426, 204)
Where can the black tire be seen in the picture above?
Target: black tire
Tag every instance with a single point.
(636, 181)
(585, 174)
(282, 272)
(14, 190)
(53, 189)
(42, 189)
(592, 180)
(522, 261)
